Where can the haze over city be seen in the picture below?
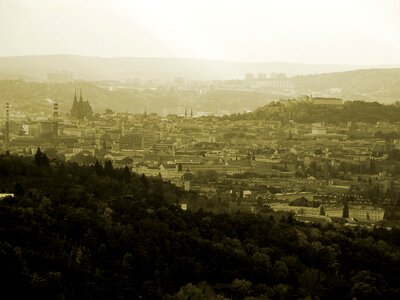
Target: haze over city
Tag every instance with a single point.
(318, 32)
(181, 149)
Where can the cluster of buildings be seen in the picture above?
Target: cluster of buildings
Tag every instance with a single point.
(326, 213)
(240, 164)
(274, 82)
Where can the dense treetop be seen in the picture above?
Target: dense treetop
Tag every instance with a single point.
(76, 232)
(306, 112)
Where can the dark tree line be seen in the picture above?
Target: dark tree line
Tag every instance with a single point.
(306, 112)
(95, 232)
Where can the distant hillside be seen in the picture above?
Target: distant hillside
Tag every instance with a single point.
(381, 85)
(36, 97)
(121, 68)
(306, 112)
(370, 83)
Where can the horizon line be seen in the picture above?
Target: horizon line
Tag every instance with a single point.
(203, 59)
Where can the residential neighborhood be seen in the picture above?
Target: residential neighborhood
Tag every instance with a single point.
(239, 163)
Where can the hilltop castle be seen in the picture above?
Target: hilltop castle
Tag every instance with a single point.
(81, 109)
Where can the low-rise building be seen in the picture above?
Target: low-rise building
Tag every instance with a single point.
(363, 213)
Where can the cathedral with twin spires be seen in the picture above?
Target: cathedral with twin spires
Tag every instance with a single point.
(81, 109)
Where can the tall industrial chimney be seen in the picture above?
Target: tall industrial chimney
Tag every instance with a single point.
(55, 119)
(7, 128)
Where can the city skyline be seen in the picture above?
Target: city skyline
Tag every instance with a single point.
(181, 149)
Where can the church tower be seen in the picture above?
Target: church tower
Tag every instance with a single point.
(81, 109)
(74, 106)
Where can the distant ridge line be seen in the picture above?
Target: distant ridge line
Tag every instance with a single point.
(36, 67)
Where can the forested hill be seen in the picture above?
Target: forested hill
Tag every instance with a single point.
(75, 232)
(307, 112)
(382, 85)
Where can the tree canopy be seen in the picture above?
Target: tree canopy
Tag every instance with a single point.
(73, 232)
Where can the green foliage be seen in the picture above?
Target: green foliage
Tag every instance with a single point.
(322, 210)
(346, 209)
(394, 154)
(306, 112)
(108, 168)
(126, 174)
(73, 232)
(98, 168)
(41, 159)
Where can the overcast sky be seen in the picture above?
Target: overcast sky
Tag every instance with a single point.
(309, 31)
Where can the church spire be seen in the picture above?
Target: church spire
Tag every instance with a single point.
(81, 109)
(75, 96)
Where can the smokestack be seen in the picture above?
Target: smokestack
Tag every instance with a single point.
(7, 127)
(55, 119)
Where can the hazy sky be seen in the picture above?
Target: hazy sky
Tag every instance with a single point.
(310, 31)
